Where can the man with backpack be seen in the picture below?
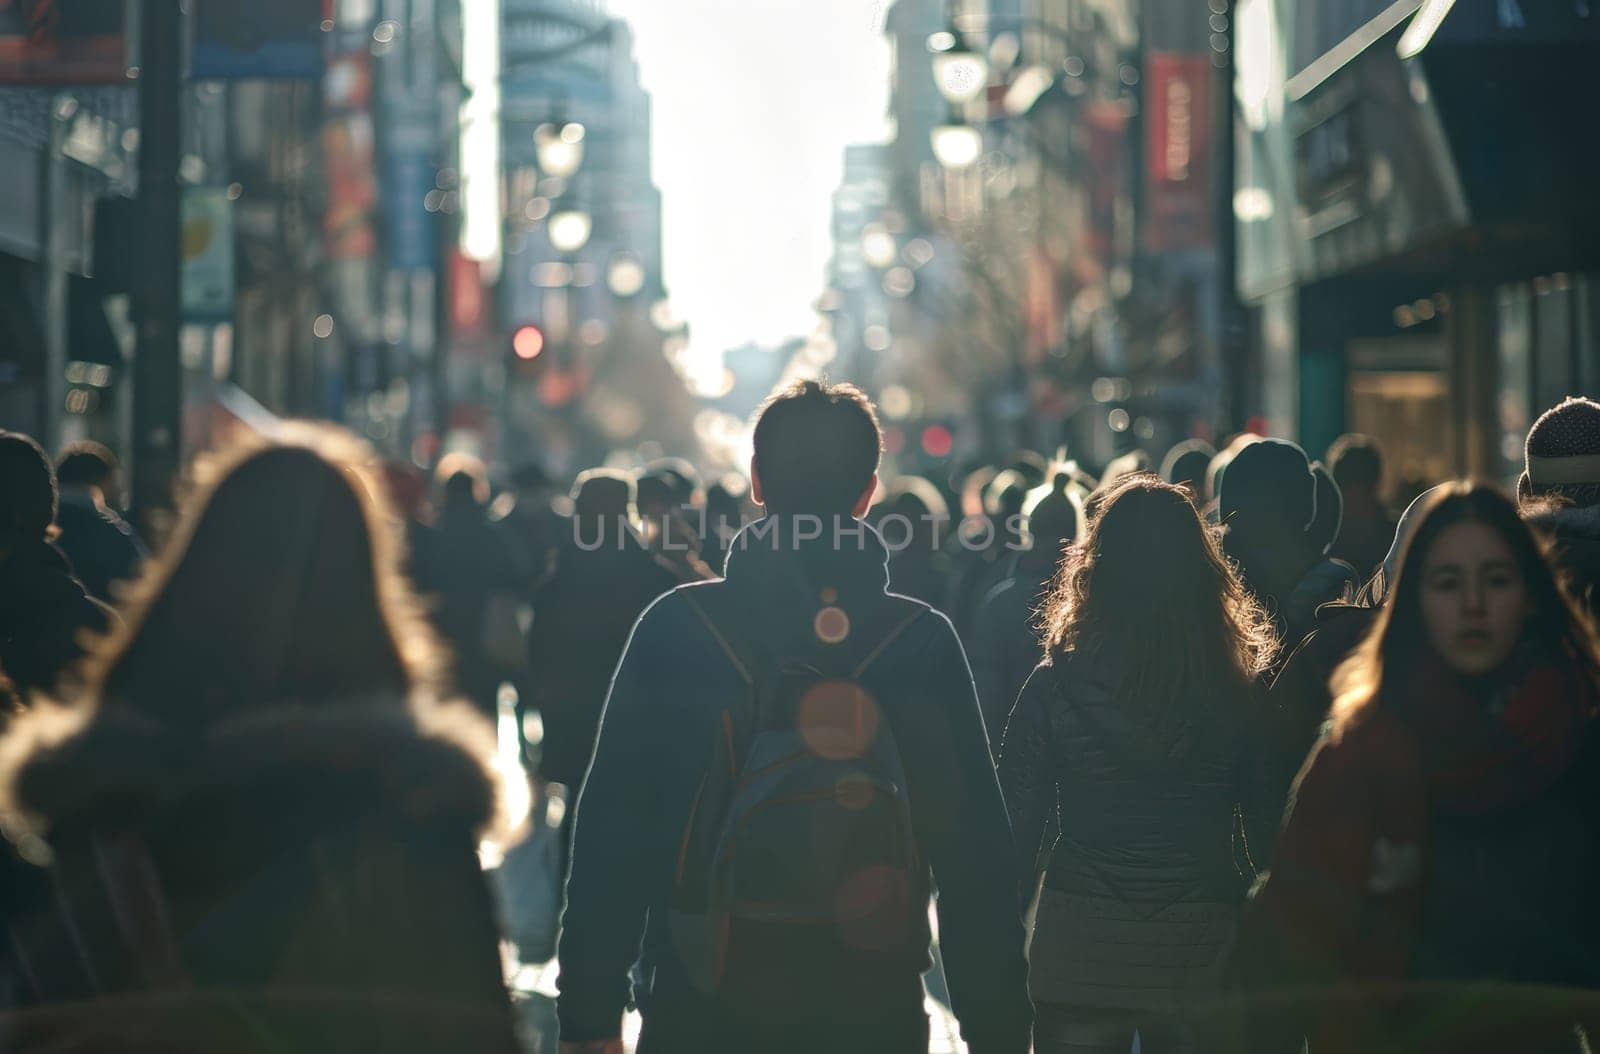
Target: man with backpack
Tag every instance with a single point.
(789, 760)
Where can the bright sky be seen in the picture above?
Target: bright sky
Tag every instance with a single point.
(755, 101)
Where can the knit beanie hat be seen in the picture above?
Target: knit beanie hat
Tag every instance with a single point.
(1562, 456)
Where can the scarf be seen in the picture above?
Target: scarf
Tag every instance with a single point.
(1492, 743)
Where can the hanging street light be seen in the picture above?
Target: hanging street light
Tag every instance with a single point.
(957, 145)
(878, 246)
(960, 71)
(570, 229)
(626, 277)
(559, 148)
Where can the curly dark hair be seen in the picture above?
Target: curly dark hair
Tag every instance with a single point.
(1150, 586)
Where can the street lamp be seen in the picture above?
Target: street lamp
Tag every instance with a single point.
(559, 148)
(878, 247)
(626, 276)
(956, 144)
(961, 72)
(570, 229)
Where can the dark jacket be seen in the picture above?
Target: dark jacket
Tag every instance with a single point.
(1007, 644)
(581, 619)
(318, 862)
(101, 545)
(44, 612)
(1141, 890)
(463, 564)
(1575, 531)
(665, 705)
(1302, 694)
(1364, 541)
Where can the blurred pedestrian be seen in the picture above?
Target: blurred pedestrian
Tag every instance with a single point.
(665, 494)
(582, 615)
(474, 582)
(1560, 490)
(914, 522)
(834, 727)
(981, 549)
(263, 823)
(1267, 505)
(45, 612)
(533, 523)
(102, 546)
(724, 516)
(1186, 466)
(1444, 830)
(1008, 639)
(1329, 579)
(1356, 462)
(1138, 728)
(1219, 468)
(407, 487)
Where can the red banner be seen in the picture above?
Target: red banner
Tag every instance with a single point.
(1178, 152)
(63, 42)
(468, 306)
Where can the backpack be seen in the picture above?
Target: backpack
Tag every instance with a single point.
(798, 878)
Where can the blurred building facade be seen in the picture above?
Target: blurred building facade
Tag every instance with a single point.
(602, 377)
(319, 170)
(1418, 243)
(1070, 277)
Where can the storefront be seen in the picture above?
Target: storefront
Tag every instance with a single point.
(1417, 241)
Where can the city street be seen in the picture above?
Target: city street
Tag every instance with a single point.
(1118, 477)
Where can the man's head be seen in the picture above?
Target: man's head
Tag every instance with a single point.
(27, 491)
(88, 465)
(1186, 465)
(530, 480)
(1268, 486)
(464, 481)
(1356, 462)
(816, 451)
(1562, 457)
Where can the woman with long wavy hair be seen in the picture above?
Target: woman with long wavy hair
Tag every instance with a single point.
(1135, 735)
(1442, 835)
(262, 821)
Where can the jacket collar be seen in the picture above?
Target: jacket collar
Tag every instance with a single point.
(808, 554)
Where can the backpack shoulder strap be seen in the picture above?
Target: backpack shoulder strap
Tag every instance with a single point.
(751, 651)
(899, 622)
(746, 661)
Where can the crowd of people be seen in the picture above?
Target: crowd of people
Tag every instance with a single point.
(1214, 753)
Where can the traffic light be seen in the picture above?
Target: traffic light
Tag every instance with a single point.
(527, 343)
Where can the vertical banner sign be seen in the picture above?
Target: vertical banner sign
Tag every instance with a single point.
(207, 247)
(258, 38)
(348, 152)
(408, 112)
(64, 41)
(1178, 152)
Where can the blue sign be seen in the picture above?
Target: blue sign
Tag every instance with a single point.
(271, 38)
(408, 229)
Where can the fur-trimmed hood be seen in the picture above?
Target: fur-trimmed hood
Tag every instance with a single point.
(328, 762)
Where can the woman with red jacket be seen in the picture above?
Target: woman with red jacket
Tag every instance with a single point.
(1434, 882)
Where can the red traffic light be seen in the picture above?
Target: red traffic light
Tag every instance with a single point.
(527, 342)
